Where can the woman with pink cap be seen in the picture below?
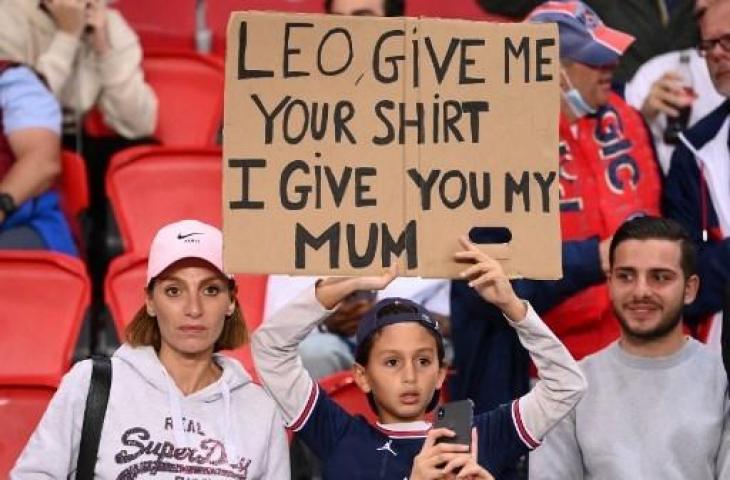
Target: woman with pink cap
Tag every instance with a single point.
(176, 408)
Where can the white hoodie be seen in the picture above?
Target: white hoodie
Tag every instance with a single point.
(230, 429)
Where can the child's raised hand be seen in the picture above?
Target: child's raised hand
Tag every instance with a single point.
(487, 277)
(332, 290)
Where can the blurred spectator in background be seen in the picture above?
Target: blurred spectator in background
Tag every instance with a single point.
(696, 191)
(659, 26)
(673, 91)
(656, 405)
(608, 174)
(89, 57)
(376, 8)
(30, 145)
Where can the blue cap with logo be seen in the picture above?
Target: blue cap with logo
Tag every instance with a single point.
(584, 38)
(389, 311)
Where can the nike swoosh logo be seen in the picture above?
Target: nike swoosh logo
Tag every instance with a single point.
(180, 236)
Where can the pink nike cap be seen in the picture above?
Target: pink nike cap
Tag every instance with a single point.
(184, 239)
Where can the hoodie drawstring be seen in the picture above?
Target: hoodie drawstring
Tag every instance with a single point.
(228, 424)
(178, 429)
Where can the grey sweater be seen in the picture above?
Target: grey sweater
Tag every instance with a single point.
(644, 419)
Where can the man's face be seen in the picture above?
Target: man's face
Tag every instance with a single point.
(701, 7)
(372, 8)
(648, 288)
(715, 24)
(593, 83)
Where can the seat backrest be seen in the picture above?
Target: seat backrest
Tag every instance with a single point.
(73, 184)
(189, 88)
(45, 296)
(74, 189)
(149, 187)
(21, 408)
(341, 388)
(124, 291)
(160, 24)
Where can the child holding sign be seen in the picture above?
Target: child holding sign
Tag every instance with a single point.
(399, 365)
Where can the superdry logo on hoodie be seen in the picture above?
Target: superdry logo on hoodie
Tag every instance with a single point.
(207, 458)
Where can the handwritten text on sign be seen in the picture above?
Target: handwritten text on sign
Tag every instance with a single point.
(352, 141)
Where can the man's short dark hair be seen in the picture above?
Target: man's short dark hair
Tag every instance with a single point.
(657, 228)
(393, 8)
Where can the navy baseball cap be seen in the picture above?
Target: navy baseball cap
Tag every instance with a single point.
(584, 38)
(389, 311)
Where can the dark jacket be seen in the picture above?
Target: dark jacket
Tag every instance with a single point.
(685, 198)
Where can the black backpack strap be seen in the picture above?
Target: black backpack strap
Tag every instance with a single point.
(101, 382)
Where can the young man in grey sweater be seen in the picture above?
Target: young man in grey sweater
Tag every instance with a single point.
(657, 403)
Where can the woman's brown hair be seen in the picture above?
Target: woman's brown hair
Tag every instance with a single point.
(144, 331)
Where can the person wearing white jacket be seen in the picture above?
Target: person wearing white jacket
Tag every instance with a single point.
(176, 409)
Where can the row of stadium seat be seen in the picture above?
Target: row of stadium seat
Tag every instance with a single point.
(189, 88)
(161, 27)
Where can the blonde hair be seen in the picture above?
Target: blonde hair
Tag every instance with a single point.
(144, 330)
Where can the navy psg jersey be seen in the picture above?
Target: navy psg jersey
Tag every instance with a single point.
(353, 449)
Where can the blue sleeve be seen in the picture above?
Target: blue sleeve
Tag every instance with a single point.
(682, 202)
(26, 102)
(581, 269)
(323, 425)
(500, 445)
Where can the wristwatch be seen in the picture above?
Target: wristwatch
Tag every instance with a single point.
(7, 204)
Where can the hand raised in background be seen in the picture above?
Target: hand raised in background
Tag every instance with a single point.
(97, 22)
(667, 95)
(69, 15)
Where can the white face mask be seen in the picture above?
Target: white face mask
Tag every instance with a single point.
(577, 104)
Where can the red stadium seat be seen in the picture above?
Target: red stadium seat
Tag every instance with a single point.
(73, 184)
(252, 297)
(125, 295)
(341, 387)
(149, 187)
(189, 88)
(45, 297)
(74, 190)
(159, 24)
(218, 12)
(124, 289)
(21, 409)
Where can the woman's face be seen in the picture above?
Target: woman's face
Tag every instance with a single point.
(190, 300)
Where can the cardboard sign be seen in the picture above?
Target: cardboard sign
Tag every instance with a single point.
(352, 141)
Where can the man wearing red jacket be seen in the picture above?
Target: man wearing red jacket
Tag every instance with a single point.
(608, 174)
(607, 167)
